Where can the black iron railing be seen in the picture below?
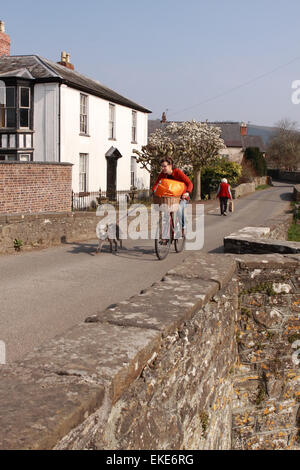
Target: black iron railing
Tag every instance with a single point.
(86, 201)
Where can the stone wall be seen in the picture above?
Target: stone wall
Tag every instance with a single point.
(266, 410)
(35, 187)
(248, 188)
(43, 230)
(171, 368)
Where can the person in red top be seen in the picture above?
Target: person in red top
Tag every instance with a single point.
(168, 171)
(224, 194)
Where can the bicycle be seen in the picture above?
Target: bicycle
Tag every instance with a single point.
(163, 244)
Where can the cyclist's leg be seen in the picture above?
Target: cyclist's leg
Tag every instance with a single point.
(165, 215)
(181, 218)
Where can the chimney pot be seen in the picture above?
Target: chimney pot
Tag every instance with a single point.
(65, 60)
(243, 128)
(2, 27)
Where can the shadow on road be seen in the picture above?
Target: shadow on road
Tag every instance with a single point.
(286, 196)
(219, 249)
(134, 252)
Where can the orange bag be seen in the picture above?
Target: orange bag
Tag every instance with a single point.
(170, 188)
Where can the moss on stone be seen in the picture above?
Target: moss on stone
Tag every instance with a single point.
(293, 338)
(204, 422)
(266, 287)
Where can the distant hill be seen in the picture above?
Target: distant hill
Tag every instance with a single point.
(264, 132)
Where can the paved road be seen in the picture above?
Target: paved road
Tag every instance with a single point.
(43, 293)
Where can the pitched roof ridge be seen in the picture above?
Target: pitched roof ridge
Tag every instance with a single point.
(41, 60)
(75, 72)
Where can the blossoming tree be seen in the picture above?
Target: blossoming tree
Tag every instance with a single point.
(193, 145)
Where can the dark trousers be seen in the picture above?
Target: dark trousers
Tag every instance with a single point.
(223, 204)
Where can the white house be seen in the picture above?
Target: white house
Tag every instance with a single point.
(50, 112)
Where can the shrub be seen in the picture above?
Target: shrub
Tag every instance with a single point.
(212, 175)
(257, 160)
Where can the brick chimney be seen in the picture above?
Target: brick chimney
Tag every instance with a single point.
(243, 128)
(4, 40)
(163, 118)
(65, 61)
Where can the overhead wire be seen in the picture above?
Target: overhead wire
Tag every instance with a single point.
(231, 90)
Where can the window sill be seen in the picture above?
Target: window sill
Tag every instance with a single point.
(134, 142)
(110, 138)
(84, 135)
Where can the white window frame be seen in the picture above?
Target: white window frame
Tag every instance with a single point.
(4, 108)
(25, 107)
(134, 127)
(84, 110)
(112, 121)
(83, 172)
(133, 172)
(24, 157)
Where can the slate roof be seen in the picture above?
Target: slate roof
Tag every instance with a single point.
(43, 70)
(230, 133)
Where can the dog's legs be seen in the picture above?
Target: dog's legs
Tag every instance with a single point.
(99, 246)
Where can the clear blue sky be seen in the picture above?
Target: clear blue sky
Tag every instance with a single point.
(171, 54)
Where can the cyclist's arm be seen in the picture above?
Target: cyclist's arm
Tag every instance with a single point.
(186, 180)
(156, 182)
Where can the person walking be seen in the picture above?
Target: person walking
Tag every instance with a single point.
(224, 194)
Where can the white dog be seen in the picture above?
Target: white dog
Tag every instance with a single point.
(110, 232)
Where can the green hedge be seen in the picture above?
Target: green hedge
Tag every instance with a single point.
(211, 176)
(257, 160)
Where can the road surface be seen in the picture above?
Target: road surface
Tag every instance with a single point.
(43, 293)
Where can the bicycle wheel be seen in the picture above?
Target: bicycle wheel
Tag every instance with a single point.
(179, 240)
(179, 244)
(162, 246)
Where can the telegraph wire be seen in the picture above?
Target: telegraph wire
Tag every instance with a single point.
(231, 90)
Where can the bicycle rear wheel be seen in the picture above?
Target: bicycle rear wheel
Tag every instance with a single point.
(179, 244)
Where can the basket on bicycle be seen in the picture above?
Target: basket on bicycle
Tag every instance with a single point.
(167, 194)
(168, 203)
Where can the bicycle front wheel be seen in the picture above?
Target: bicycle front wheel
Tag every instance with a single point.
(162, 244)
(162, 248)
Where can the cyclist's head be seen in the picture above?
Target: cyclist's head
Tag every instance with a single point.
(166, 164)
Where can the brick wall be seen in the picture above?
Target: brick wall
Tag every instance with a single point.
(27, 188)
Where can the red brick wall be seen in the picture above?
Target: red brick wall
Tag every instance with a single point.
(4, 44)
(35, 187)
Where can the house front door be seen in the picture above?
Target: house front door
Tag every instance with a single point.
(112, 157)
(111, 183)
